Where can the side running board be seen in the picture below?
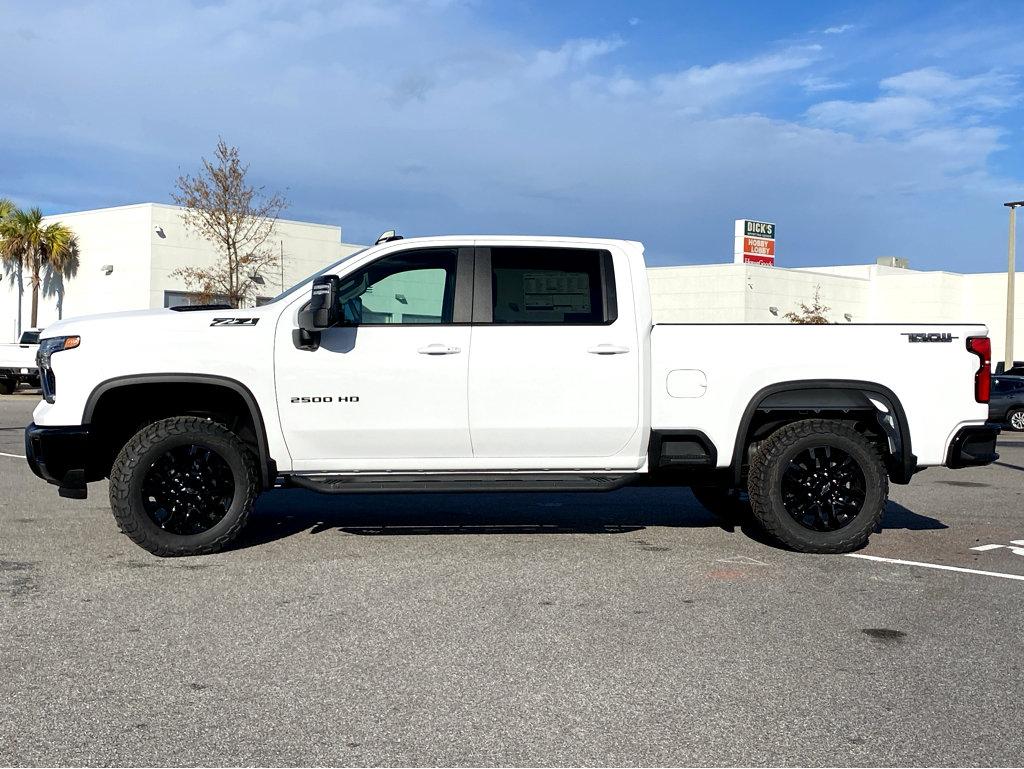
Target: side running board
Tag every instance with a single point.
(365, 483)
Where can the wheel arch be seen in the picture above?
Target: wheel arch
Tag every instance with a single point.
(835, 396)
(207, 383)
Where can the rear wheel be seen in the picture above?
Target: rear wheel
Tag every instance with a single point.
(818, 486)
(1015, 420)
(6, 386)
(183, 486)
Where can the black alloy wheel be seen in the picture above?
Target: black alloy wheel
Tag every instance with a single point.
(823, 488)
(188, 490)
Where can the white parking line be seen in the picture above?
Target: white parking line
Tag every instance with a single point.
(936, 566)
(12, 456)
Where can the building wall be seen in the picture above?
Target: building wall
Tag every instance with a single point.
(144, 244)
(115, 236)
(304, 248)
(711, 293)
(718, 293)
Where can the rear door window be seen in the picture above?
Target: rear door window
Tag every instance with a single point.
(545, 286)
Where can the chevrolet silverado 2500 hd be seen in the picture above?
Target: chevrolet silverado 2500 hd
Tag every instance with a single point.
(498, 364)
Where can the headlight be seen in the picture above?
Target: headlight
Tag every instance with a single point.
(47, 348)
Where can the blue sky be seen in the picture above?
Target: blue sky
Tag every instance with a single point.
(861, 129)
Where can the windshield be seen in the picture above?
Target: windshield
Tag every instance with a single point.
(328, 268)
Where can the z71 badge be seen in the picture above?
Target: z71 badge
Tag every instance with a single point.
(235, 321)
(923, 337)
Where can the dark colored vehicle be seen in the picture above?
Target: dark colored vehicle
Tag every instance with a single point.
(1016, 370)
(1006, 405)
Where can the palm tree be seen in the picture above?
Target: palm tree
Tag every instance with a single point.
(11, 266)
(29, 244)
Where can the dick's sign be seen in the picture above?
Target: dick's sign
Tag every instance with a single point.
(754, 242)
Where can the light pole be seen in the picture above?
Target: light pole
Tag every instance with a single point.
(1010, 279)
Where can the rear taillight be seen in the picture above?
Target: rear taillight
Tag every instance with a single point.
(982, 347)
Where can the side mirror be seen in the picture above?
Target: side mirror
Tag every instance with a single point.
(324, 310)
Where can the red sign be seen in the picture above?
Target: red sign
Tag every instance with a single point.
(758, 259)
(759, 246)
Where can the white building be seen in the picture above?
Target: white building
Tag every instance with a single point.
(127, 255)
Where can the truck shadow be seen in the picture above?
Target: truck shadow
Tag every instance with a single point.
(899, 517)
(286, 512)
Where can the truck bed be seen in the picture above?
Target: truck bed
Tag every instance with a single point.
(705, 376)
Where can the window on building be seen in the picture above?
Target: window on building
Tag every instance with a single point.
(190, 299)
(552, 285)
(411, 287)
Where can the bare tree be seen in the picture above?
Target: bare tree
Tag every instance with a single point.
(222, 207)
(815, 314)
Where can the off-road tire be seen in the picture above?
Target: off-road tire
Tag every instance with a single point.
(727, 504)
(764, 484)
(7, 386)
(1015, 420)
(148, 445)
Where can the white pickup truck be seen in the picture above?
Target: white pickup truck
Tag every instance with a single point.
(499, 364)
(18, 362)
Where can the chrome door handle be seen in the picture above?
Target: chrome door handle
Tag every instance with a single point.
(607, 349)
(438, 349)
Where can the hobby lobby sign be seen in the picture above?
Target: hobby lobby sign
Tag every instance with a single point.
(754, 242)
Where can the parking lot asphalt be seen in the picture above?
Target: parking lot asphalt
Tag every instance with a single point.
(533, 629)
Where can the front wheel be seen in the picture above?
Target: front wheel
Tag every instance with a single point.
(818, 486)
(183, 486)
(6, 386)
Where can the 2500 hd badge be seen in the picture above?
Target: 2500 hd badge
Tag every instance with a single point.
(325, 399)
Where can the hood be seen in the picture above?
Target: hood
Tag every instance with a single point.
(163, 319)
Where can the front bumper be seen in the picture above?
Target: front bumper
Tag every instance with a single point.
(973, 446)
(22, 373)
(68, 457)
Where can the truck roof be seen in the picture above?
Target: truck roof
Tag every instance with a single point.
(520, 238)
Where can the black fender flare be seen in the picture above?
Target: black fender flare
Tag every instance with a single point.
(832, 394)
(267, 464)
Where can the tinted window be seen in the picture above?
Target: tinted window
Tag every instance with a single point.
(1007, 385)
(408, 288)
(30, 337)
(551, 285)
(191, 299)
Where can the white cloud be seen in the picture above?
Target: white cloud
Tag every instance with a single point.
(989, 91)
(817, 84)
(700, 87)
(920, 100)
(573, 55)
(840, 29)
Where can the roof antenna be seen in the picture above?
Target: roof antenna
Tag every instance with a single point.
(387, 237)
